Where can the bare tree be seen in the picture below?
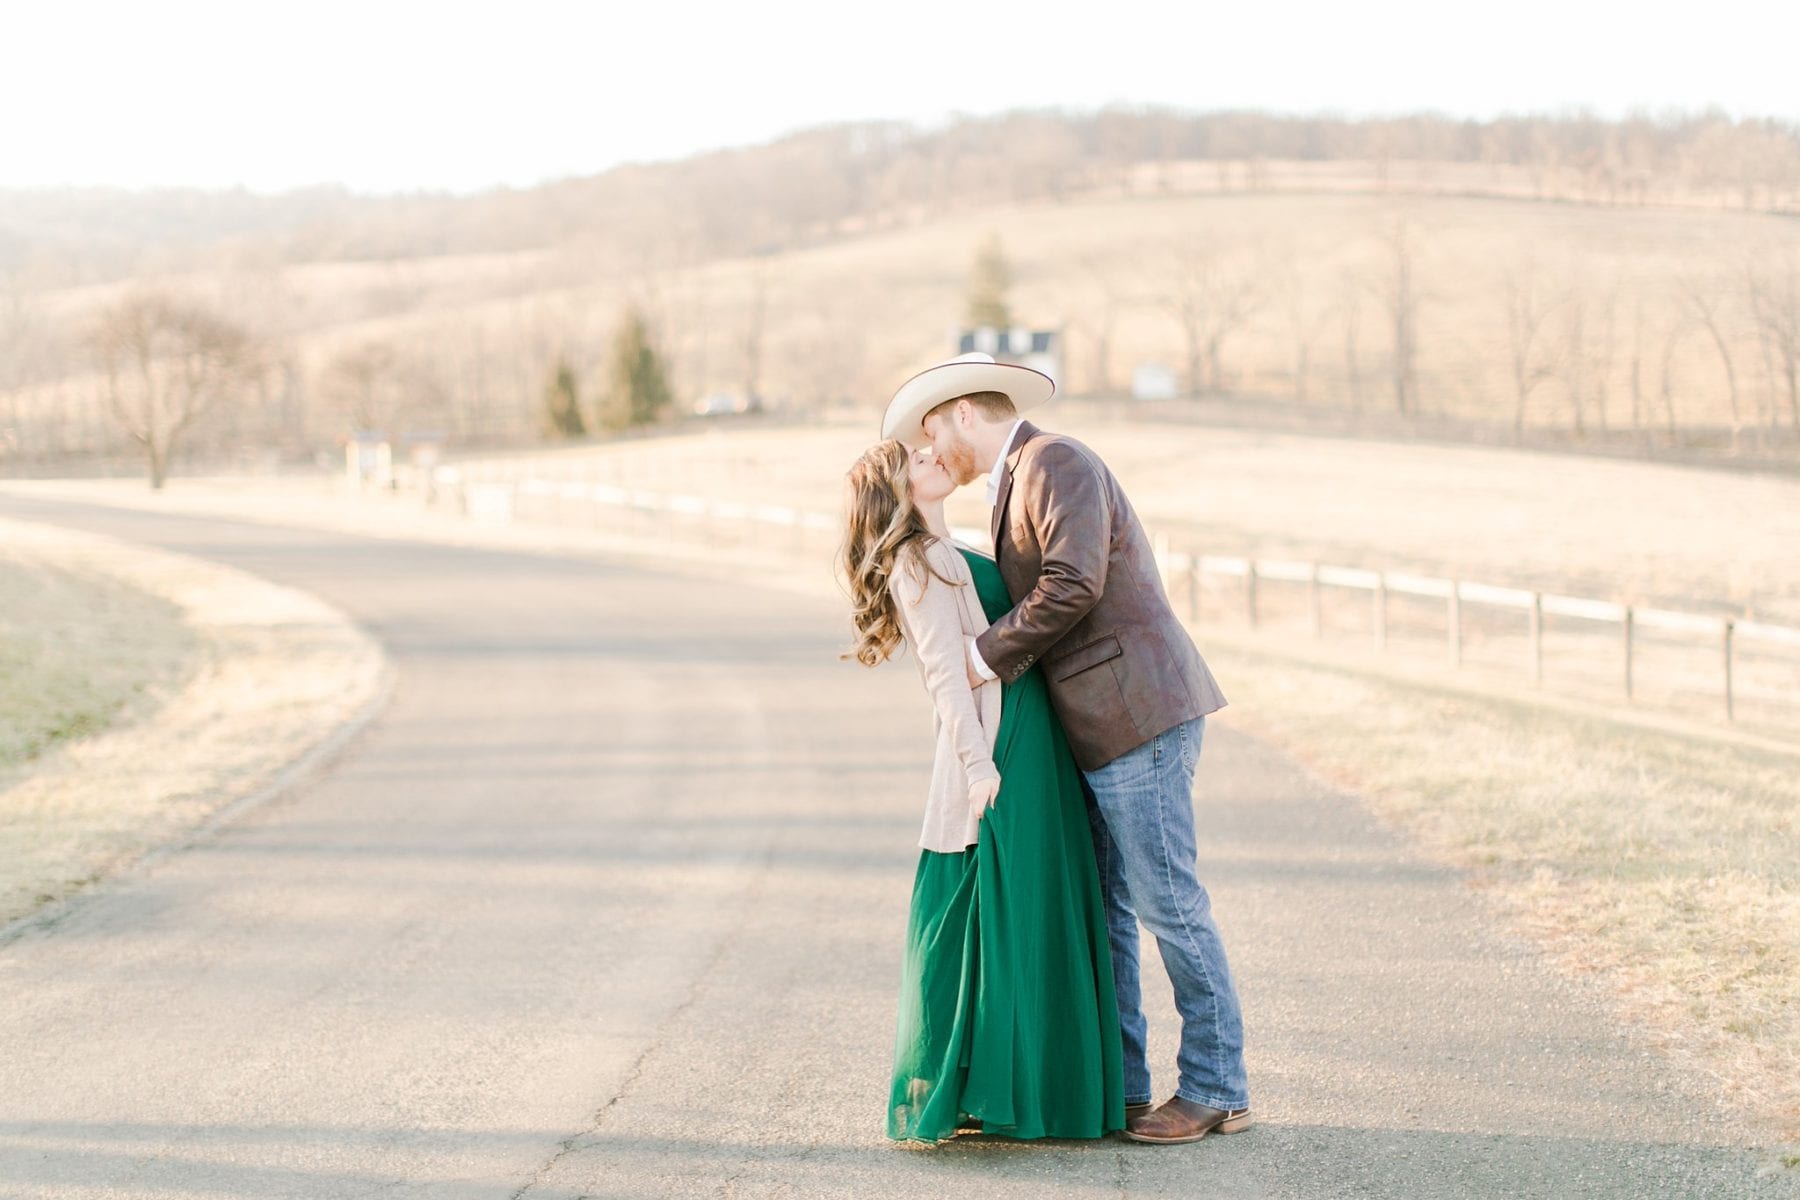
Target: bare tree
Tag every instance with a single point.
(23, 342)
(1211, 295)
(1676, 334)
(1304, 316)
(1398, 291)
(364, 380)
(1639, 405)
(1532, 355)
(1705, 303)
(166, 363)
(288, 402)
(755, 332)
(1588, 351)
(828, 360)
(1350, 307)
(1590, 348)
(1102, 314)
(1772, 285)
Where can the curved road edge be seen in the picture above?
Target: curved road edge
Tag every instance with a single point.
(283, 685)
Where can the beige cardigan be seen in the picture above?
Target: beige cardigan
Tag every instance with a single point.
(937, 621)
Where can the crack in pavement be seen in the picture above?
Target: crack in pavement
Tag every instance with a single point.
(586, 1135)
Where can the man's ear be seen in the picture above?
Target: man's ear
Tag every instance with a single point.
(965, 414)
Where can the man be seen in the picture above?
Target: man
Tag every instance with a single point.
(1132, 692)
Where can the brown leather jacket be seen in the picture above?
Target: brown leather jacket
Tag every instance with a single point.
(1088, 603)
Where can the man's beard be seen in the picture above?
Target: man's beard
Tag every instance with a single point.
(960, 458)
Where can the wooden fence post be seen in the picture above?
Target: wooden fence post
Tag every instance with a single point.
(1455, 623)
(1627, 622)
(1730, 704)
(1379, 601)
(1318, 615)
(1537, 638)
(1193, 580)
(1250, 591)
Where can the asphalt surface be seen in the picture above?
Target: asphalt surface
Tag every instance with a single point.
(608, 903)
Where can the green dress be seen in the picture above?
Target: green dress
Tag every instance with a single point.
(1007, 1012)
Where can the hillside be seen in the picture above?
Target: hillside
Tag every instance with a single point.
(1580, 277)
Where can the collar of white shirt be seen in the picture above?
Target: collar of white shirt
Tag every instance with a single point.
(993, 483)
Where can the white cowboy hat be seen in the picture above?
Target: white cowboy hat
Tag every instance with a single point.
(976, 372)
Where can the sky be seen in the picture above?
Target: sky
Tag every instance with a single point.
(393, 95)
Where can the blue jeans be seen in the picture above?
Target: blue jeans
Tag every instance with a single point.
(1141, 806)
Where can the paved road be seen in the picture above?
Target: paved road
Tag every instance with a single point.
(608, 904)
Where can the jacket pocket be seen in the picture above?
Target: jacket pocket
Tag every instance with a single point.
(1085, 657)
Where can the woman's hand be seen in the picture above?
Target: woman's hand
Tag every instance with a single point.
(981, 796)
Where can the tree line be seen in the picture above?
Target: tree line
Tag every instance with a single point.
(244, 340)
(1567, 343)
(851, 177)
(1574, 343)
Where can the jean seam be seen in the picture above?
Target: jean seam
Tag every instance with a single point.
(1106, 885)
(1162, 831)
(1213, 1101)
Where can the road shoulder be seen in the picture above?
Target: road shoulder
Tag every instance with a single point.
(278, 680)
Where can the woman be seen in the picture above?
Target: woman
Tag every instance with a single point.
(1007, 1017)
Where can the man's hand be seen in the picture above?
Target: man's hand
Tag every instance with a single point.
(981, 796)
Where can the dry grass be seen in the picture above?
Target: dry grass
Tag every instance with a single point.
(239, 678)
(78, 648)
(1669, 865)
(842, 321)
(845, 320)
(1678, 536)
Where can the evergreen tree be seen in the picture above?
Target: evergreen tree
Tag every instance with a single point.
(989, 281)
(639, 389)
(562, 406)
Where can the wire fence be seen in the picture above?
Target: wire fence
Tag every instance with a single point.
(1742, 672)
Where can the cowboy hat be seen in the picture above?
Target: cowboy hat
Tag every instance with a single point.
(960, 376)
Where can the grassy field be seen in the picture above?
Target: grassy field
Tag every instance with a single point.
(844, 321)
(839, 323)
(1655, 534)
(79, 647)
(1668, 865)
(143, 692)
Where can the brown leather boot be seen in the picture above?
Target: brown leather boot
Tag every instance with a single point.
(1177, 1120)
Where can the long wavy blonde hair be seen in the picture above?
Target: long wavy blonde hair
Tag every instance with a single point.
(886, 535)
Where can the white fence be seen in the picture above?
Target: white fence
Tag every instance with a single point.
(1222, 587)
(1628, 620)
